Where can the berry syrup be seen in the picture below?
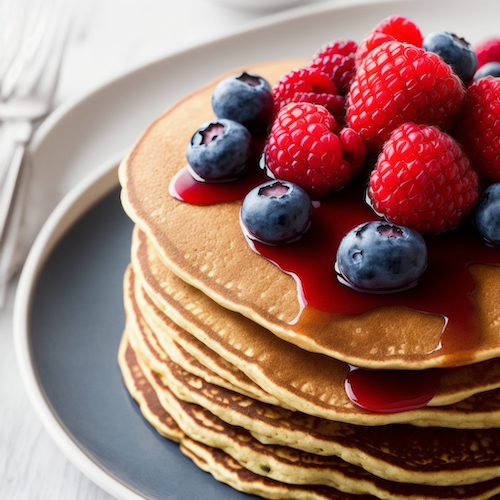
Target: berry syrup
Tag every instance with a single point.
(383, 391)
(185, 187)
(446, 288)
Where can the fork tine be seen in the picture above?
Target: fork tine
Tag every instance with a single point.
(47, 32)
(11, 34)
(19, 44)
(48, 74)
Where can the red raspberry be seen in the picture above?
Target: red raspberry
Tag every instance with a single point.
(391, 28)
(487, 51)
(423, 180)
(478, 127)
(337, 60)
(302, 148)
(308, 85)
(397, 83)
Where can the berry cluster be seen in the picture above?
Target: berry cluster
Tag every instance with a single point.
(419, 114)
(220, 149)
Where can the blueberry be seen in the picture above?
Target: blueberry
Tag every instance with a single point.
(489, 69)
(381, 257)
(245, 98)
(455, 51)
(219, 150)
(276, 212)
(486, 214)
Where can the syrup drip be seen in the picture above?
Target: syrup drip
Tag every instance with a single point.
(446, 288)
(185, 187)
(383, 391)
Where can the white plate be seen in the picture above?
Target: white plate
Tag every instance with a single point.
(76, 139)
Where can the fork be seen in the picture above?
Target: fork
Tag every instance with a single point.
(33, 38)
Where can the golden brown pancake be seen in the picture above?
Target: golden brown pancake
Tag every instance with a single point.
(301, 468)
(399, 453)
(309, 382)
(208, 365)
(205, 246)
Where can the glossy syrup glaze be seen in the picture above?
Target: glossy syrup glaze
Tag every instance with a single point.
(312, 260)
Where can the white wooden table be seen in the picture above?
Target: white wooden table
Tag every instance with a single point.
(112, 36)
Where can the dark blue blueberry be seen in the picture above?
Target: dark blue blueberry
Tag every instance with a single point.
(381, 257)
(245, 98)
(219, 150)
(489, 69)
(276, 212)
(486, 215)
(455, 51)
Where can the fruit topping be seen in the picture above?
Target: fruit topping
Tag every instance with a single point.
(244, 98)
(381, 257)
(487, 51)
(308, 85)
(219, 150)
(304, 147)
(337, 59)
(276, 212)
(423, 180)
(478, 127)
(389, 29)
(397, 83)
(489, 69)
(455, 51)
(487, 215)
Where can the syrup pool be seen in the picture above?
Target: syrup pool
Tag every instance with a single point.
(185, 187)
(383, 391)
(446, 288)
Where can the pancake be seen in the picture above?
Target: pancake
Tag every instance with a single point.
(396, 452)
(309, 382)
(292, 467)
(205, 247)
(298, 468)
(228, 470)
(211, 367)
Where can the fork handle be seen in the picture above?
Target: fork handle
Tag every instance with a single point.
(10, 187)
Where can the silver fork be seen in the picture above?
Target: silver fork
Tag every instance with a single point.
(33, 38)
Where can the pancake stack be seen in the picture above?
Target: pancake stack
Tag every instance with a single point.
(223, 355)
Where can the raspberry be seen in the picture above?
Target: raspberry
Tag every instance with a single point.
(303, 148)
(337, 60)
(487, 51)
(308, 85)
(478, 127)
(397, 83)
(391, 28)
(423, 180)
